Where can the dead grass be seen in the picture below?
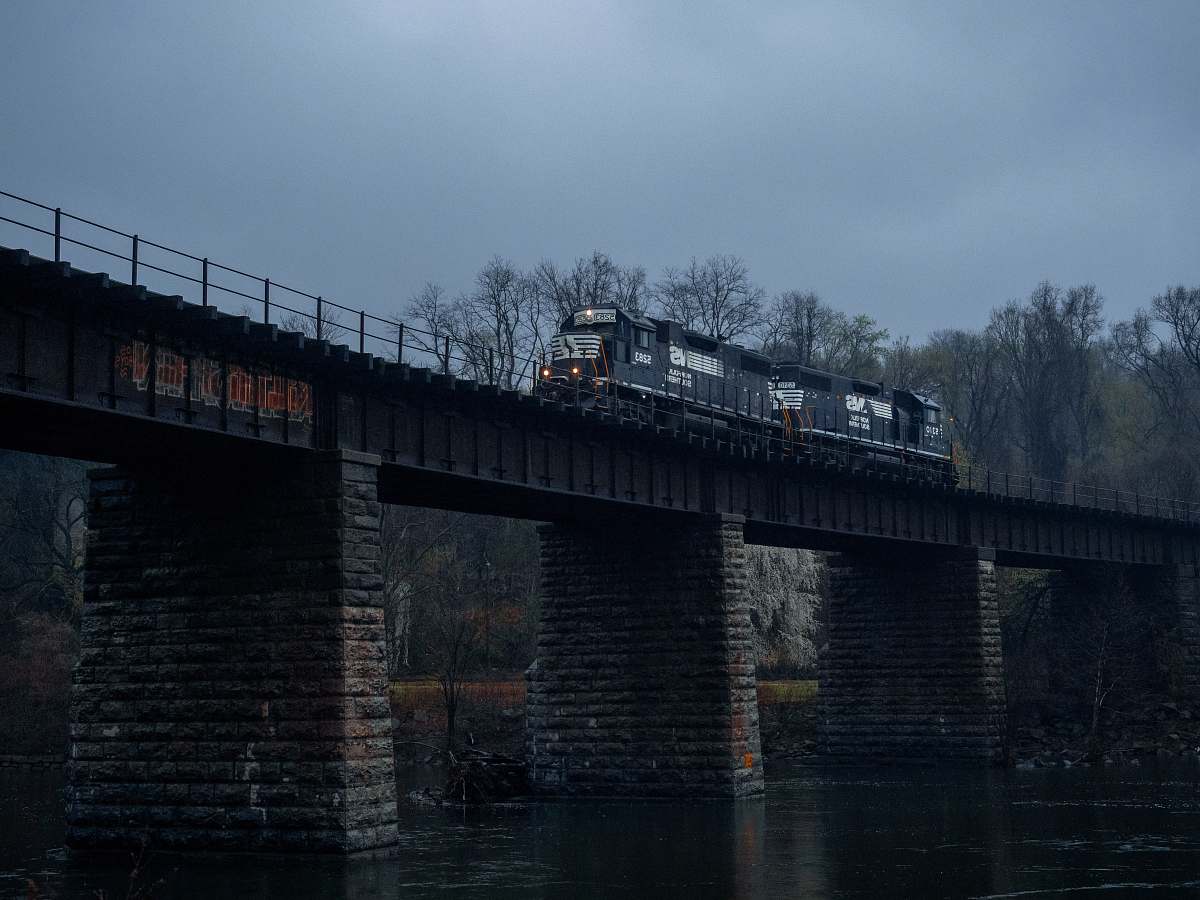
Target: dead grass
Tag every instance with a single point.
(772, 693)
(424, 694)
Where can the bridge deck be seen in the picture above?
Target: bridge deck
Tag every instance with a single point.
(100, 370)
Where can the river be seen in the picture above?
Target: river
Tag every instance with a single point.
(819, 832)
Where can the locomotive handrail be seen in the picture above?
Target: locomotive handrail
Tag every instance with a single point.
(520, 372)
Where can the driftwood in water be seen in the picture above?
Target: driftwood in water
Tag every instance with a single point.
(481, 777)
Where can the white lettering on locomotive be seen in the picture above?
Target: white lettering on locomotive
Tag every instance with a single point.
(643, 359)
(678, 376)
(596, 317)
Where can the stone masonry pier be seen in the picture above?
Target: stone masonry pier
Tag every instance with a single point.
(644, 681)
(913, 668)
(231, 687)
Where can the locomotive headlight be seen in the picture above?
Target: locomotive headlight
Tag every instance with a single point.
(574, 370)
(545, 373)
(589, 313)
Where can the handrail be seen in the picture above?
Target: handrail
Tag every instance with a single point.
(519, 372)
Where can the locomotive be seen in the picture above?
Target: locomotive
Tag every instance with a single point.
(660, 373)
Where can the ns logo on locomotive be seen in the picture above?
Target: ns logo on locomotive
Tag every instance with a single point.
(658, 372)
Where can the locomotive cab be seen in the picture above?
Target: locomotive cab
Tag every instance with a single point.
(924, 430)
(583, 352)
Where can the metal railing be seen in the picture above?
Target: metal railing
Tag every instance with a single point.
(485, 364)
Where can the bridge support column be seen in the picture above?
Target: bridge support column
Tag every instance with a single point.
(231, 687)
(1182, 586)
(644, 681)
(913, 668)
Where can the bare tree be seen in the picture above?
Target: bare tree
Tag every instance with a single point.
(435, 318)
(971, 383)
(715, 297)
(911, 367)
(42, 517)
(329, 328)
(1161, 347)
(1048, 345)
(800, 327)
(592, 281)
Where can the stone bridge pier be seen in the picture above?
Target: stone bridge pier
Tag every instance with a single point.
(644, 681)
(913, 670)
(231, 691)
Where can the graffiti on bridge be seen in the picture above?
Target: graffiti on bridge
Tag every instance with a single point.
(273, 395)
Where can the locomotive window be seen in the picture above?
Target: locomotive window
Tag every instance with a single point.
(816, 382)
(933, 416)
(623, 346)
(641, 337)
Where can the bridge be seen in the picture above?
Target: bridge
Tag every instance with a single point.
(231, 689)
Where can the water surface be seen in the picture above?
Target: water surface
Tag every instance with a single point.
(818, 832)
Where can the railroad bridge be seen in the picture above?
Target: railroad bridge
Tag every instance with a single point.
(231, 688)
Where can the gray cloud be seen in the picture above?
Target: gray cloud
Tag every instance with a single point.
(922, 163)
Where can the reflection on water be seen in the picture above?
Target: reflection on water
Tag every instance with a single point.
(819, 832)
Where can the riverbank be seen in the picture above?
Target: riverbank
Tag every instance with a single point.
(492, 717)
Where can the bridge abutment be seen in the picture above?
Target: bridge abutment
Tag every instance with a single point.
(231, 691)
(1181, 586)
(913, 670)
(644, 682)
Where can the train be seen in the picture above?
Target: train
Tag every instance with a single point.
(660, 373)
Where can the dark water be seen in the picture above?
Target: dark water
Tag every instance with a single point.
(818, 833)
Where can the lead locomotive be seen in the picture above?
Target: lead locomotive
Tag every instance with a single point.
(660, 373)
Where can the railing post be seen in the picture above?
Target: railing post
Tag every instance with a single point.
(204, 282)
(266, 301)
(362, 331)
(492, 366)
(318, 334)
(133, 276)
(400, 343)
(446, 358)
(58, 234)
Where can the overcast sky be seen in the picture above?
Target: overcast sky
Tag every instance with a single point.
(919, 162)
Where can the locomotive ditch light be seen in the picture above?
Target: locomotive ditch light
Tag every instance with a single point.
(545, 373)
(574, 370)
